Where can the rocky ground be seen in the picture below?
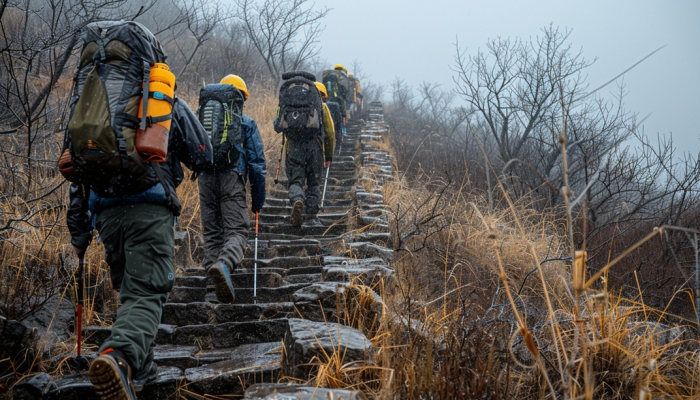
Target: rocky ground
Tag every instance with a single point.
(303, 279)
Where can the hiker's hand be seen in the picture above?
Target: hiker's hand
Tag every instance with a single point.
(79, 252)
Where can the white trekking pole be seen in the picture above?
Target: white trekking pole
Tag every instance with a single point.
(255, 265)
(325, 185)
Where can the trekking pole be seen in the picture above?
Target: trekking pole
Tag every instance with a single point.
(325, 185)
(78, 362)
(255, 265)
(279, 161)
(79, 322)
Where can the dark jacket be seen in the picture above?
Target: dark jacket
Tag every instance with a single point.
(252, 163)
(336, 114)
(188, 143)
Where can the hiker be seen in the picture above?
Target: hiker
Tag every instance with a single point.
(238, 157)
(334, 109)
(131, 201)
(355, 94)
(307, 125)
(337, 84)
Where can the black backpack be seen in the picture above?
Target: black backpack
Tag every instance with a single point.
(337, 90)
(99, 146)
(220, 113)
(300, 107)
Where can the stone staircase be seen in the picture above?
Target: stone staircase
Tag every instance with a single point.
(304, 275)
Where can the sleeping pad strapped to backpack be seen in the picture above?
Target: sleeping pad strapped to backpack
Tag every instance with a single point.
(220, 112)
(113, 73)
(300, 107)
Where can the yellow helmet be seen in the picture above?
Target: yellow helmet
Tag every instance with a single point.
(237, 82)
(340, 66)
(322, 88)
(349, 75)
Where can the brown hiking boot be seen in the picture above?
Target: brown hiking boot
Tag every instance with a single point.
(110, 374)
(297, 210)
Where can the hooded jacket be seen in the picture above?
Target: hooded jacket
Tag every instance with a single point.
(252, 164)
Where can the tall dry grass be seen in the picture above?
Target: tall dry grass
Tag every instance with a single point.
(497, 304)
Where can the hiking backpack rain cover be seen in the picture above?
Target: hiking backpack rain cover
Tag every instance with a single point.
(300, 107)
(220, 113)
(113, 74)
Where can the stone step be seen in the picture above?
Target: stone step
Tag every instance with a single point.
(326, 218)
(279, 391)
(305, 231)
(206, 372)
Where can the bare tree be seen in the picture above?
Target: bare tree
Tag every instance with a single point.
(284, 32)
(515, 84)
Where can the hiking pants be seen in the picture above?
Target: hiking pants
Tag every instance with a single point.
(138, 240)
(304, 164)
(225, 222)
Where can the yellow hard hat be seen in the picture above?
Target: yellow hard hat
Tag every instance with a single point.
(349, 75)
(322, 88)
(340, 66)
(237, 82)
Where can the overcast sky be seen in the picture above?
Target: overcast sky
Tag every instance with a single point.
(414, 40)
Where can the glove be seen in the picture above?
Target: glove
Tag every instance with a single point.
(257, 203)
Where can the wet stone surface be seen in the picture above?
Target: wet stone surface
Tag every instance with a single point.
(208, 349)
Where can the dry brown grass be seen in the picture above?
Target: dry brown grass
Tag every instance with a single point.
(486, 305)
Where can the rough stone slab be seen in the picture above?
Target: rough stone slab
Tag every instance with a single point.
(277, 391)
(191, 281)
(303, 278)
(283, 262)
(325, 292)
(188, 313)
(247, 364)
(245, 278)
(306, 340)
(231, 334)
(366, 275)
(182, 294)
(268, 295)
(368, 250)
(71, 387)
(164, 387)
(31, 388)
(181, 357)
(254, 312)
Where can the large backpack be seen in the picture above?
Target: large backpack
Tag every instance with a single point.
(300, 106)
(221, 112)
(114, 68)
(337, 85)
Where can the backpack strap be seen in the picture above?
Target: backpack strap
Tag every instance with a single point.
(159, 173)
(146, 78)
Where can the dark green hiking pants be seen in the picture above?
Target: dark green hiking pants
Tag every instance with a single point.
(138, 240)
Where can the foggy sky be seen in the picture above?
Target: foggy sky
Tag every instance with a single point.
(414, 40)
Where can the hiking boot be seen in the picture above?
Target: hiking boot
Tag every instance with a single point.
(110, 374)
(149, 373)
(222, 282)
(296, 217)
(312, 220)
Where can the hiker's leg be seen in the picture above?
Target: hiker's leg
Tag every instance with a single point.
(295, 171)
(314, 175)
(212, 227)
(234, 217)
(145, 234)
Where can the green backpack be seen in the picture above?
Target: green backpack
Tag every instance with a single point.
(112, 73)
